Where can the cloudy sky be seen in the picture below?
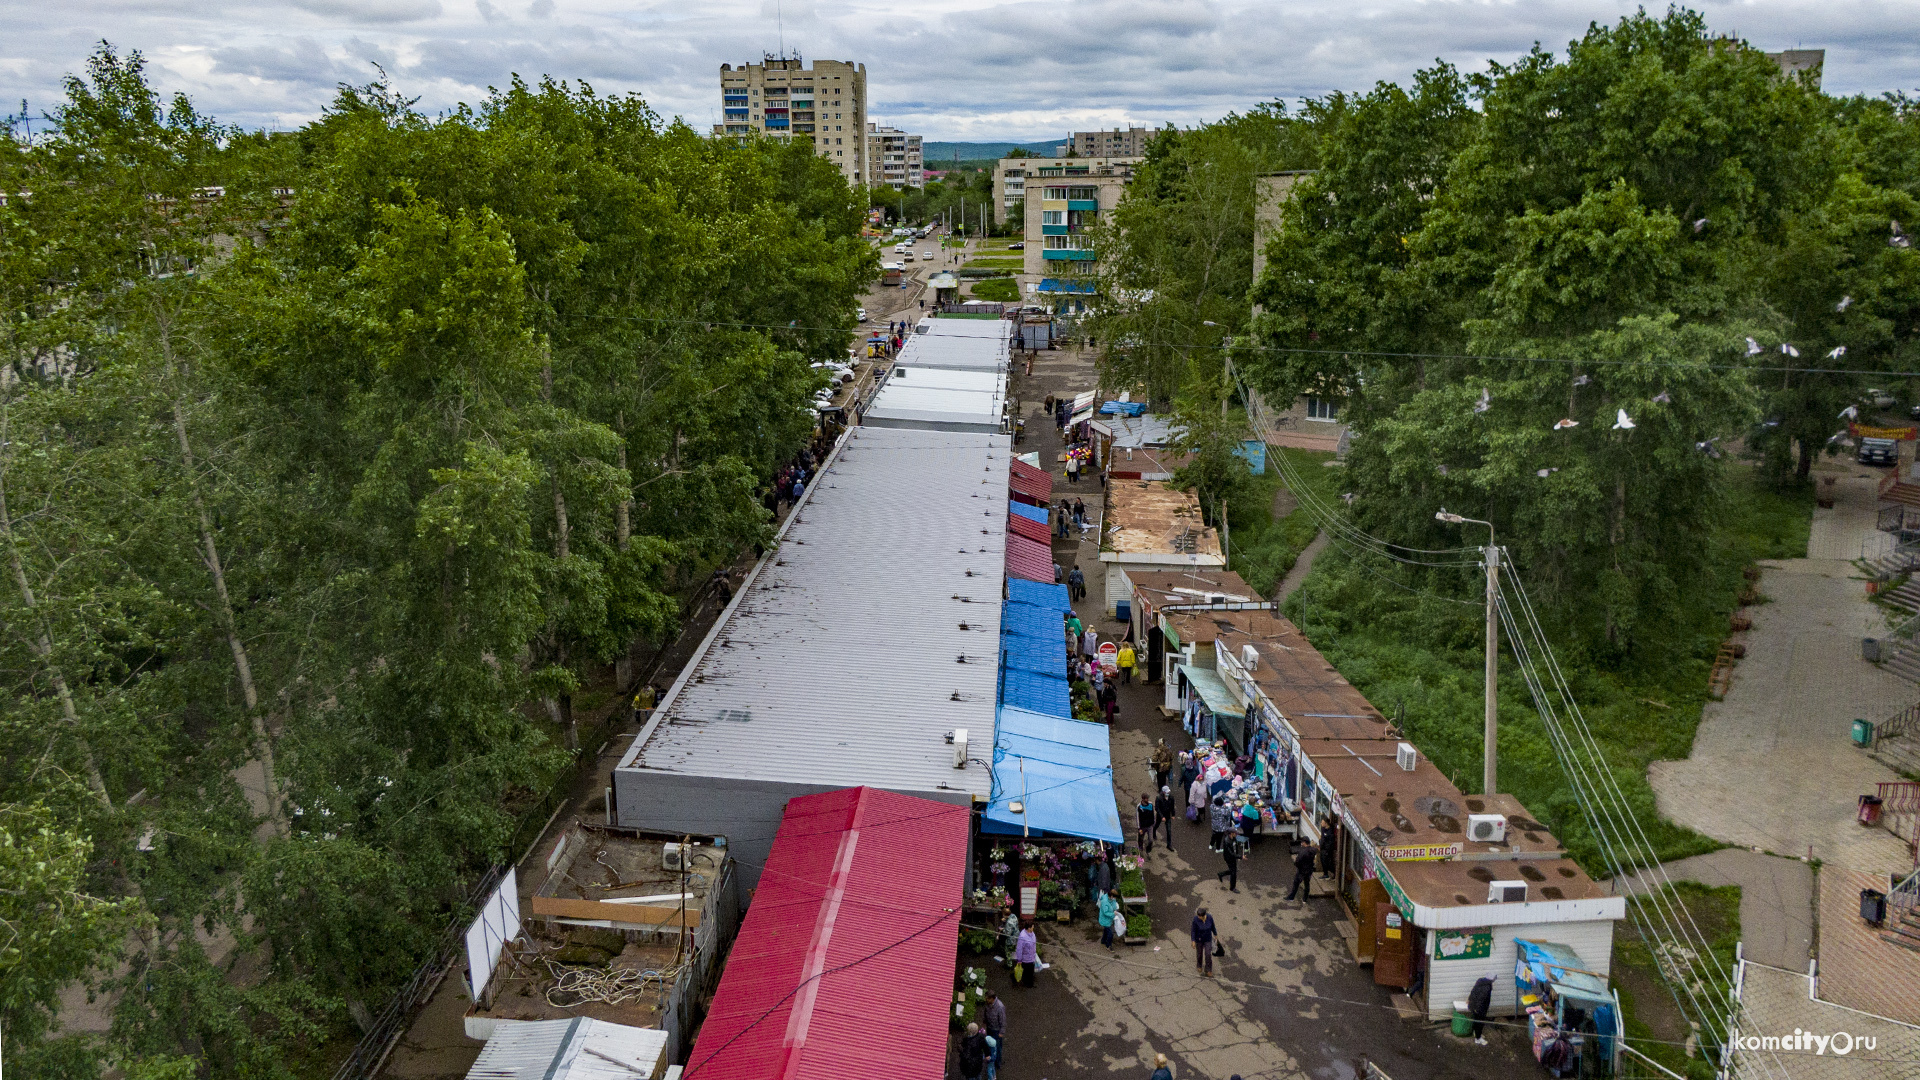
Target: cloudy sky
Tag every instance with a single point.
(949, 69)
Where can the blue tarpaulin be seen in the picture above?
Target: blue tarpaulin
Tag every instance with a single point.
(1032, 621)
(1037, 513)
(1059, 770)
(1045, 694)
(1123, 408)
(1031, 654)
(1039, 594)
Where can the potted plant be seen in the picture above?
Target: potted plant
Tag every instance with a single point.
(1139, 927)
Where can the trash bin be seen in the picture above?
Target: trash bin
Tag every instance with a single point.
(1873, 908)
(1870, 650)
(1462, 1023)
(1862, 733)
(1869, 809)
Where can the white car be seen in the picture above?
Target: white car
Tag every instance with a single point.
(906, 256)
(927, 255)
(862, 313)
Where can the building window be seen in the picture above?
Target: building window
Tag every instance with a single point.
(1322, 409)
(1053, 217)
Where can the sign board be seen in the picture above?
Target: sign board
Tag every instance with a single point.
(1469, 943)
(1109, 654)
(1421, 852)
(498, 924)
(1867, 431)
(1029, 899)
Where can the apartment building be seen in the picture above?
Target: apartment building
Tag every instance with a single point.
(1061, 215)
(782, 98)
(894, 158)
(1013, 176)
(1130, 142)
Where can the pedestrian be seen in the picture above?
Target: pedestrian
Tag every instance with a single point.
(1163, 812)
(1080, 512)
(1303, 858)
(1090, 642)
(1026, 955)
(1126, 659)
(1058, 575)
(1220, 817)
(1162, 753)
(643, 703)
(1073, 628)
(724, 584)
(1479, 1000)
(993, 1018)
(1073, 468)
(1328, 838)
(1109, 913)
(973, 1053)
(1249, 821)
(1149, 820)
(1202, 932)
(1162, 1069)
(1109, 700)
(1196, 797)
(1230, 851)
(1076, 584)
(1100, 874)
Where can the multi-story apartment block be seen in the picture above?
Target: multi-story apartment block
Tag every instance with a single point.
(894, 158)
(1014, 177)
(781, 98)
(1131, 142)
(1061, 215)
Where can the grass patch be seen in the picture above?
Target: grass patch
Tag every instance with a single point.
(1265, 547)
(998, 290)
(1653, 1023)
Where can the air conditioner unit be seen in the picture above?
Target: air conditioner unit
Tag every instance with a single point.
(676, 856)
(1406, 756)
(1506, 892)
(959, 741)
(1216, 598)
(1487, 828)
(1249, 657)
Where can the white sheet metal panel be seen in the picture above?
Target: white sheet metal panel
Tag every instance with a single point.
(497, 924)
(840, 662)
(579, 1049)
(1449, 981)
(940, 399)
(976, 344)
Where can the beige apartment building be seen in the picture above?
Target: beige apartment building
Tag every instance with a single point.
(894, 158)
(1129, 142)
(782, 98)
(1061, 215)
(1012, 177)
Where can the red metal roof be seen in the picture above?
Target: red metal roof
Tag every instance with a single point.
(1030, 485)
(1029, 559)
(1029, 528)
(844, 965)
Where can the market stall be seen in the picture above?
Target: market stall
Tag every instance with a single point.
(1246, 782)
(1570, 1013)
(1209, 711)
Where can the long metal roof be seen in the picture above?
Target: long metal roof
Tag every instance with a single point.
(578, 1049)
(840, 660)
(941, 399)
(980, 344)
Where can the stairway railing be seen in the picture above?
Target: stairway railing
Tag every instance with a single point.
(1905, 896)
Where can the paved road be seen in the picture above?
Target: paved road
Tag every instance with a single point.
(1771, 766)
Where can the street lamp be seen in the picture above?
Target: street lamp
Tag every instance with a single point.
(1489, 764)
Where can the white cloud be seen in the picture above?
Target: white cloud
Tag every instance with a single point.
(966, 69)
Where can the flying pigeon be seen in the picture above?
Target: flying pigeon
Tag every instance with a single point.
(1838, 352)
(1544, 473)
(1582, 380)
(1564, 424)
(1699, 224)
(1845, 303)
(1789, 349)
(1348, 497)
(1663, 398)
(1708, 448)
(1623, 422)
(1849, 413)
(1753, 347)
(1485, 402)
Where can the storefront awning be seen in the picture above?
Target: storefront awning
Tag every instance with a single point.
(1041, 693)
(1213, 691)
(1559, 966)
(1025, 510)
(1029, 559)
(1060, 774)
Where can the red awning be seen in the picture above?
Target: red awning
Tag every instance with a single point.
(1030, 485)
(1029, 528)
(843, 969)
(1029, 559)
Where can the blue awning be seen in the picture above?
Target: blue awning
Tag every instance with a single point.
(1037, 513)
(1213, 691)
(1034, 691)
(1040, 594)
(1059, 770)
(1032, 621)
(1084, 286)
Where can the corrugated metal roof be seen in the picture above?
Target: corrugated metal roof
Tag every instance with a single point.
(980, 344)
(844, 963)
(1041, 594)
(1031, 483)
(1035, 692)
(1029, 559)
(1025, 510)
(1022, 525)
(1136, 432)
(938, 408)
(1035, 622)
(838, 663)
(576, 1049)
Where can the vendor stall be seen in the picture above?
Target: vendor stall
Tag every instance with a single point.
(1248, 786)
(1209, 710)
(1570, 1013)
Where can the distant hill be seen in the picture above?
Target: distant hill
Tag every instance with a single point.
(936, 154)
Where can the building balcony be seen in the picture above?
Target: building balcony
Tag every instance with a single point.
(803, 127)
(1084, 204)
(1067, 255)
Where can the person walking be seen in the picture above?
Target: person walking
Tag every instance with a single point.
(993, 1019)
(1073, 632)
(1230, 851)
(1125, 660)
(973, 1053)
(1100, 874)
(1220, 819)
(1026, 955)
(1076, 583)
(1202, 932)
(1303, 858)
(1090, 643)
(1148, 821)
(1062, 519)
(1079, 512)
(1197, 798)
(1162, 753)
(1059, 575)
(1109, 701)
(1163, 812)
(1073, 468)
(1162, 1069)
(643, 703)
(1109, 912)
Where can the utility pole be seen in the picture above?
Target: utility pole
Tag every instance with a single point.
(1489, 769)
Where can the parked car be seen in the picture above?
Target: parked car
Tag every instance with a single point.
(1879, 452)
(1879, 399)
(862, 313)
(1017, 245)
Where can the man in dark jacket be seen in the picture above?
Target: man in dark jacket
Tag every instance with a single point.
(1230, 851)
(1148, 819)
(1163, 813)
(973, 1053)
(1202, 932)
(1303, 871)
(1479, 1000)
